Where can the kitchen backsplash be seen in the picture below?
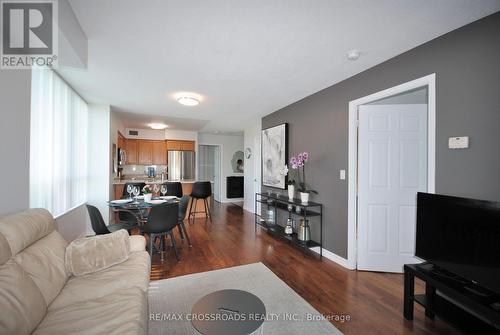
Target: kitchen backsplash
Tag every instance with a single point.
(141, 169)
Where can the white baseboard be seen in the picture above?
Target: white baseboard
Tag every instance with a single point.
(228, 201)
(251, 210)
(335, 258)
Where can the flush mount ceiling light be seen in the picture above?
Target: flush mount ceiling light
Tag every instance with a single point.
(188, 99)
(353, 54)
(158, 126)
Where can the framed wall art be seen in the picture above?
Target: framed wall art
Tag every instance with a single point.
(274, 156)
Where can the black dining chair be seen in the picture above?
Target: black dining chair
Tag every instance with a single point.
(100, 227)
(202, 190)
(174, 188)
(125, 217)
(125, 194)
(183, 205)
(162, 219)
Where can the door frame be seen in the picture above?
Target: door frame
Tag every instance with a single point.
(428, 81)
(220, 146)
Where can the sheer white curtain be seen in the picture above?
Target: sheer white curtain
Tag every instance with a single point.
(58, 144)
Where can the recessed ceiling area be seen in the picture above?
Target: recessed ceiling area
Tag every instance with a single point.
(144, 121)
(245, 58)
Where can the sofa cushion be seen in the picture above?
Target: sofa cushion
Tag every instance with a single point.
(44, 262)
(92, 254)
(5, 253)
(22, 305)
(133, 273)
(118, 313)
(23, 229)
(137, 243)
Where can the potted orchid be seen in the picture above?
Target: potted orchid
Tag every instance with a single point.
(291, 184)
(299, 163)
(147, 190)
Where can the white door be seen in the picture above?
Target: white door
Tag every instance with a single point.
(257, 168)
(217, 160)
(392, 168)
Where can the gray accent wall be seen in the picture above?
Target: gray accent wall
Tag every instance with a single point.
(15, 101)
(467, 66)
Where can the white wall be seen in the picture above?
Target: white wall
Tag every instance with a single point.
(250, 134)
(146, 134)
(229, 145)
(15, 105)
(186, 135)
(100, 158)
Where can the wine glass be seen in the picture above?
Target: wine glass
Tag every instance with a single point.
(130, 189)
(156, 188)
(136, 192)
(163, 189)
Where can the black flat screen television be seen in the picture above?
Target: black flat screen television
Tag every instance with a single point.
(461, 236)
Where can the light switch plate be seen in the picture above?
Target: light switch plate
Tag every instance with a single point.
(458, 142)
(342, 174)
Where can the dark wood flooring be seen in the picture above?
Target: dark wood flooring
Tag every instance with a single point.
(374, 301)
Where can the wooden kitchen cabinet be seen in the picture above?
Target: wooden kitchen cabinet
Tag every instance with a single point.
(121, 141)
(148, 152)
(118, 191)
(180, 145)
(131, 149)
(187, 145)
(159, 153)
(173, 145)
(145, 152)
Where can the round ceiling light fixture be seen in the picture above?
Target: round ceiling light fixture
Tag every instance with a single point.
(353, 54)
(158, 126)
(188, 99)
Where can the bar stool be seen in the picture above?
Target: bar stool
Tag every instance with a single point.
(201, 190)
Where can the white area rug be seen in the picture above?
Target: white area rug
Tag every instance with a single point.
(287, 312)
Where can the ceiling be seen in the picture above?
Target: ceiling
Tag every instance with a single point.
(141, 121)
(245, 58)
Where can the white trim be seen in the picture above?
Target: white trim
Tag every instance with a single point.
(228, 201)
(334, 258)
(430, 82)
(221, 153)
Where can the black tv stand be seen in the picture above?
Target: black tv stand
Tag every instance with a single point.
(447, 297)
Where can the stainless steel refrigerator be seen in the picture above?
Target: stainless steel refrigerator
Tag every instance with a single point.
(181, 165)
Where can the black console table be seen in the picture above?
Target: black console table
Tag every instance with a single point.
(453, 301)
(282, 203)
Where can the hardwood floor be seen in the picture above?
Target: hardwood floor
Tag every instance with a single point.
(374, 301)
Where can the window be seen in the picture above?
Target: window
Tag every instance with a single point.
(58, 144)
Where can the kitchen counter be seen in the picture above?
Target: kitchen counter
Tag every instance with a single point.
(141, 180)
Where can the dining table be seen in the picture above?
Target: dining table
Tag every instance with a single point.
(138, 207)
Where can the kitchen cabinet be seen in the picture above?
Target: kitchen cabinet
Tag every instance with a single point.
(187, 145)
(121, 141)
(131, 148)
(173, 145)
(145, 152)
(118, 191)
(148, 152)
(159, 153)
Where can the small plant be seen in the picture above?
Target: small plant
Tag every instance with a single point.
(286, 172)
(299, 163)
(147, 189)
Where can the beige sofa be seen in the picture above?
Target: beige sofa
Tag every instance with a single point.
(37, 295)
